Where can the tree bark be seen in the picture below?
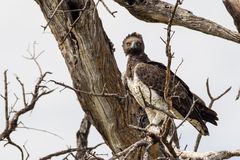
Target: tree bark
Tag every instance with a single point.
(89, 57)
(160, 12)
(233, 7)
(82, 138)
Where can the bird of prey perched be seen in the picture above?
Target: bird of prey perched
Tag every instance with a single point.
(145, 80)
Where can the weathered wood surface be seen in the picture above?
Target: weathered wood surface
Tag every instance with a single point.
(233, 7)
(91, 64)
(157, 11)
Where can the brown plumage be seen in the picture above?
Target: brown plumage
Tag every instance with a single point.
(145, 80)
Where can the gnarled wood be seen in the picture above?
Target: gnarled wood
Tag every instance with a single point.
(160, 12)
(89, 57)
(233, 7)
(90, 61)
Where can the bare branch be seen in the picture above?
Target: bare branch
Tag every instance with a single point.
(210, 105)
(6, 98)
(9, 141)
(70, 150)
(233, 7)
(51, 17)
(188, 114)
(107, 8)
(41, 130)
(160, 12)
(130, 149)
(238, 94)
(24, 146)
(169, 55)
(208, 155)
(82, 137)
(34, 56)
(13, 122)
(101, 94)
(23, 91)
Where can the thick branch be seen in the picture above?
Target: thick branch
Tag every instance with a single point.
(160, 12)
(233, 7)
(88, 55)
(209, 155)
(82, 137)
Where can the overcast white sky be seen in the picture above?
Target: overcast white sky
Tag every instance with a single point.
(204, 56)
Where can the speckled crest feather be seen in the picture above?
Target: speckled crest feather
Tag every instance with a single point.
(134, 34)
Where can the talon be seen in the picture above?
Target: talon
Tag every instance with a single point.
(153, 128)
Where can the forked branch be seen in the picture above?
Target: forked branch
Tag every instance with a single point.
(12, 120)
(212, 100)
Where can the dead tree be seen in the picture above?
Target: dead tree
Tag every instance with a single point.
(89, 57)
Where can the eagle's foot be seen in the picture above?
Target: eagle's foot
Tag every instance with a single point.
(153, 128)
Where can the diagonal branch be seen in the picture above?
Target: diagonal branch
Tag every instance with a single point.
(161, 12)
(101, 94)
(233, 7)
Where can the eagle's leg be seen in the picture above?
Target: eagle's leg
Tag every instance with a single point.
(155, 118)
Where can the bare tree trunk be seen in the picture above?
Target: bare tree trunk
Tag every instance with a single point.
(88, 54)
(89, 57)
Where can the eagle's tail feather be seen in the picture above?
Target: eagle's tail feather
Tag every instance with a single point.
(200, 126)
(207, 114)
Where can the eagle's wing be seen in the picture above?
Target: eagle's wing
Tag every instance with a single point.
(153, 75)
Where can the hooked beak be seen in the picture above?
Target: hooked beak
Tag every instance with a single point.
(133, 46)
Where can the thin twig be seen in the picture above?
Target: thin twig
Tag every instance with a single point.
(24, 146)
(13, 122)
(9, 141)
(101, 94)
(34, 56)
(188, 114)
(238, 95)
(169, 55)
(70, 150)
(107, 8)
(51, 17)
(6, 98)
(212, 100)
(41, 130)
(130, 149)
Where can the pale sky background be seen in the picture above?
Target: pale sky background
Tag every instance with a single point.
(204, 56)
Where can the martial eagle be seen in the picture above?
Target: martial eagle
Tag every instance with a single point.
(145, 80)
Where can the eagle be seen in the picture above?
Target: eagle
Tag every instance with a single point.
(145, 80)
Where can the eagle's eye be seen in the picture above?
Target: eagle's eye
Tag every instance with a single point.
(128, 43)
(138, 44)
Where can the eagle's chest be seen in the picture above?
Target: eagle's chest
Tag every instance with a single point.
(144, 94)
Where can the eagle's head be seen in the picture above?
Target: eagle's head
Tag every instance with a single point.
(133, 44)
